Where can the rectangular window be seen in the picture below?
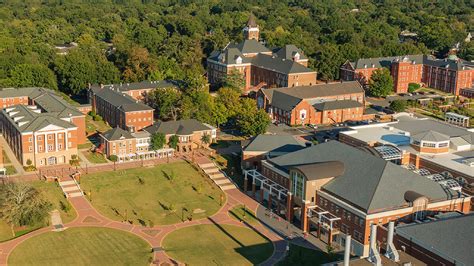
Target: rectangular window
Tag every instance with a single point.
(40, 148)
(30, 139)
(30, 148)
(298, 185)
(50, 137)
(60, 146)
(50, 147)
(40, 137)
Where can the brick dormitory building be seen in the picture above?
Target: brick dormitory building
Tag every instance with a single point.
(40, 126)
(316, 104)
(332, 190)
(450, 75)
(132, 146)
(280, 67)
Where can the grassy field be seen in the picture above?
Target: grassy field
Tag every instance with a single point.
(237, 213)
(54, 195)
(217, 245)
(93, 126)
(151, 196)
(95, 157)
(299, 255)
(82, 246)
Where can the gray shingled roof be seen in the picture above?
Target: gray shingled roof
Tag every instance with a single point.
(430, 135)
(279, 65)
(274, 143)
(180, 127)
(318, 90)
(452, 238)
(336, 105)
(284, 101)
(369, 182)
(120, 100)
(289, 51)
(117, 134)
(138, 85)
(417, 126)
(28, 120)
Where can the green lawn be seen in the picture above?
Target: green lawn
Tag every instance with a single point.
(237, 213)
(299, 255)
(94, 157)
(142, 195)
(83, 246)
(217, 245)
(93, 126)
(10, 169)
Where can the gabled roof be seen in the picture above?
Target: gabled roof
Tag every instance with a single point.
(251, 46)
(368, 182)
(279, 65)
(288, 52)
(117, 134)
(120, 100)
(336, 105)
(452, 237)
(30, 119)
(284, 101)
(321, 170)
(252, 22)
(430, 135)
(180, 127)
(273, 143)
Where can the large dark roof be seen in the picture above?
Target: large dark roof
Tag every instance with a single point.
(30, 119)
(251, 46)
(289, 51)
(120, 100)
(117, 134)
(180, 127)
(368, 182)
(138, 85)
(274, 144)
(318, 90)
(315, 171)
(452, 238)
(336, 105)
(279, 65)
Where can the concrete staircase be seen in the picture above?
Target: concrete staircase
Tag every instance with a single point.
(218, 176)
(71, 188)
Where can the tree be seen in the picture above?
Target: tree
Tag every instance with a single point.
(252, 121)
(166, 102)
(36, 75)
(380, 83)
(234, 80)
(198, 104)
(21, 205)
(173, 141)
(206, 138)
(113, 158)
(412, 87)
(398, 105)
(158, 141)
(230, 99)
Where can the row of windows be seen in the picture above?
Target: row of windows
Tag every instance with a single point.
(50, 137)
(139, 119)
(50, 147)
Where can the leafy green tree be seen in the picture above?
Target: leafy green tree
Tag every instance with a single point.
(173, 141)
(467, 51)
(230, 99)
(113, 158)
(398, 105)
(206, 139)
(380, 83)
(198, 104)
(28, 75)
(219, 114)
(412, 87)
(252, 121)
(166, 101)
(158, 141)
(22, 205)
(235, 80)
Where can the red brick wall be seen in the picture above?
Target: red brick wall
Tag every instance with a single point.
(6, 102)
(139, 119)
(80, 122)
(404, 73)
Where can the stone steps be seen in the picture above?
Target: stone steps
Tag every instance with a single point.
(70, 189)
(67, 183)
(228, 187)
(75, 194)
(207, 165)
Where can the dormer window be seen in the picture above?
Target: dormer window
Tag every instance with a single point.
(296, 57)
(238, 60)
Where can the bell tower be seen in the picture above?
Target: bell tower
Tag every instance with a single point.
(251, 30)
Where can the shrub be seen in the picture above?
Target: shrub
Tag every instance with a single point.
(398, 105)
(113, 158)
(412, 87)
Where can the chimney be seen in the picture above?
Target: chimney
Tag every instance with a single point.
(347, 251)
(101, 85)
(374, 255)
(391, 252)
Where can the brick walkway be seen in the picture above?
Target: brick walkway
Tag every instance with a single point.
(87, 216)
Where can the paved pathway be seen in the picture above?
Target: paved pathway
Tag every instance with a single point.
(87, 216)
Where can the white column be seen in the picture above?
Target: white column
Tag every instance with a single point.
(56, 140)
(45, 143)
(66, 133)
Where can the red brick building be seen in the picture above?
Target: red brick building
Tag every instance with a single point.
(119, 109)
(316, 104)
(281, 67)
(333, 189)
(449, 75)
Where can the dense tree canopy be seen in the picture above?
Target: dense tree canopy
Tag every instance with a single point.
(381, 83)
(132, 40)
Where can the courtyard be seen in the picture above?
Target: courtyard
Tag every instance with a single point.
(160, 195)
